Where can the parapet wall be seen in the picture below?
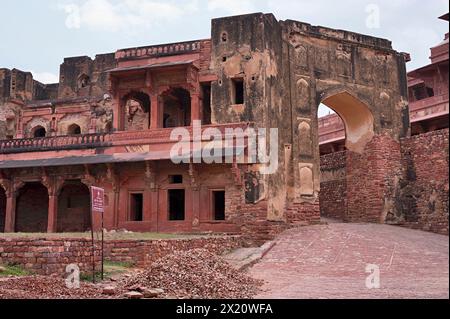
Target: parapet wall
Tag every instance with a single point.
(51, 256)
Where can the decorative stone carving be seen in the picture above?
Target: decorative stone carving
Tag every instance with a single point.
(344, 61)
(150, 176)
(305, 137)
(306, 179)
(303, 95)
(193, 174)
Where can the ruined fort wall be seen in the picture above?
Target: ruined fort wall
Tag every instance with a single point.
(47, 256)
(425, 185)
(333, 185)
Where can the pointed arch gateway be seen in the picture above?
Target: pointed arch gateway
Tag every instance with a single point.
(357, 117)
(367, 163)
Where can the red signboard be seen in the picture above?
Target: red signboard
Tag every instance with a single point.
(97, 199)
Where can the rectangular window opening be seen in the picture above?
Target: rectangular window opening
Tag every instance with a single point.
(218, 198)
(136, 207)
(176, 204)
(238, 91)
(176, 179)
(206, 90)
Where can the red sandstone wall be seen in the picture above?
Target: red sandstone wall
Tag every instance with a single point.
(425, 189)
(45, 256)
(333, 185)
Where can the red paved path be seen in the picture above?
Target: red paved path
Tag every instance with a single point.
(329, 261)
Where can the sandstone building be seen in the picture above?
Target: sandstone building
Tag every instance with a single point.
(109, 120)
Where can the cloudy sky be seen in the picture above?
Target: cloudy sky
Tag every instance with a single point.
(37, 35)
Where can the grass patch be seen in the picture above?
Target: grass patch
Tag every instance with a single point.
(13, 270)
(111, 268)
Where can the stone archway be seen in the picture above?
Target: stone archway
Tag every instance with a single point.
(335, 182)
(32, 209)
(370, 162)
(73, 208)
(357, 117)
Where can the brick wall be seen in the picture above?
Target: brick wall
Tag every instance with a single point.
(51, 256)
(424, 193)
(333, 185)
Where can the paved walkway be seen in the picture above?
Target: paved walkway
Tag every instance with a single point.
(329, 261)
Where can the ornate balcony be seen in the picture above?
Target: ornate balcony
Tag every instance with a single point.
(104, 140)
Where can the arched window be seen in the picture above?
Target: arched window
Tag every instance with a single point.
(177, 108)
(39, 132)
(83, 81)
(74, 129)
(136, 111)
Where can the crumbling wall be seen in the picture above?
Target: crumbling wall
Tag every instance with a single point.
(249, 48)
(425, 185)
(333, 185)
(82, 76)
(46, 256)
(341, 68)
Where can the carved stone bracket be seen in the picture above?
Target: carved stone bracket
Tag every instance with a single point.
(150, 176)
(7, 185)
(193, 174)
(88, 179)
(113, 177)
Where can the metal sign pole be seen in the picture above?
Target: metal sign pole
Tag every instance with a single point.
(103, 245)
(93, 246)
(98, 206)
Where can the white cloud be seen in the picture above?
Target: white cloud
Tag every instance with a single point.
(45, 77)
(233, 7)
(106, 15)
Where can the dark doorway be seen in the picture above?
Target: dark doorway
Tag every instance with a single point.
(177, 204)
(177, 108)
(32, 209)
(238, 91)
(206, 104)
(136, 207)
(218, 204)
(74, 129)
(74, 208)
(39, 132)
(2, 209)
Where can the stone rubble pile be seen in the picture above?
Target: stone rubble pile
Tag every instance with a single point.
(40, 287)
(194, 274)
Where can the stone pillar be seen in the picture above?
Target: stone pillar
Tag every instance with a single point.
(117, 113)
(196, 112)
(10, 217)
(52, 212)
(193, 174)
(154, 196)
(195, 208)
(116, 206)
(156, 112)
